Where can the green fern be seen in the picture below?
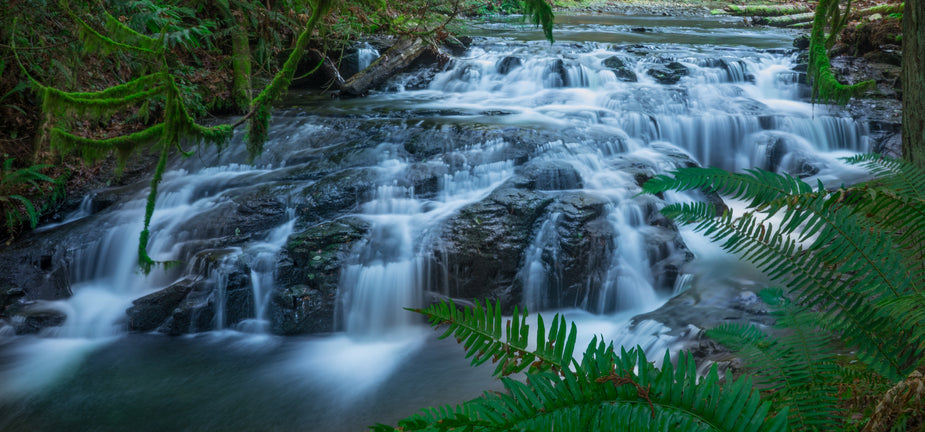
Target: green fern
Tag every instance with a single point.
(540, 13)
(798, 368)
(17, 207)
(828, 252)
(602, 392)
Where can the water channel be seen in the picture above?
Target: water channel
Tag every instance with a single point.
(511, 105)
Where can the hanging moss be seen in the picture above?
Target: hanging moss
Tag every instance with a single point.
(259, 123)
(826, 87)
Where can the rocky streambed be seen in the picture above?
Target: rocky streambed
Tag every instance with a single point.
(329, 159)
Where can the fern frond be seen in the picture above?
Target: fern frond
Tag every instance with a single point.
(610, 392)
(540, 13)
(756, 185)
(479, 329)
(818, 280)
(31, 215)
(797, 367)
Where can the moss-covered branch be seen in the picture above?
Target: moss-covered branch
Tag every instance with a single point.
(826, 87)
(259, 118)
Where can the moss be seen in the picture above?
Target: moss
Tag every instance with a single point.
(825, 87)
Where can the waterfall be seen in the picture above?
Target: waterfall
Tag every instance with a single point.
(387, 271)
(366, 54)
(551, 140)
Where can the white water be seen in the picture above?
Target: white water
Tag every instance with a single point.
(726, 114)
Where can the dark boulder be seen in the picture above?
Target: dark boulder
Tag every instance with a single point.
(556, 74)
(221, 296)
(620, 69)
(663, 74)
(551, 175)
(507, 64)
(31, 317)
(149, 312)
(309, 274)
(482, 247)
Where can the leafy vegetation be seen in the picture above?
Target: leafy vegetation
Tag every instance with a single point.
(826, 87)
(17, 208)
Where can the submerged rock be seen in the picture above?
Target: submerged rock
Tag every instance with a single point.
(668, 74)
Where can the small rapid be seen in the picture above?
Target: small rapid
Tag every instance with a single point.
(512, 174)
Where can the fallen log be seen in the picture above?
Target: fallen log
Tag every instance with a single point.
(784, 20)
(396, 58)
(765, 10)
(795, 19)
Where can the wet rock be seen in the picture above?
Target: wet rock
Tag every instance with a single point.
(556, 74)
(38, 268)
(664, 75)
(620, 69)
(481, 248)
(886, 57)
(335, 194)
(149, 312)
(584, 249)
(801, 42)
(220, 296)
(457, 46)
(551, 175)
(507, 64)
(32, 321)
(614, 62)
(308, 276)
(10, 296)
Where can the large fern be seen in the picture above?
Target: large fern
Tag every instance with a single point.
(604, 391)
(798, 366)
(828, 249)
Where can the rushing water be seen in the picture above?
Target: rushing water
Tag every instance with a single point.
(737, 106)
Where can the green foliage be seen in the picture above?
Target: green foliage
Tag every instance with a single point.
(540, 13)
(604, 391)
(825, 87)
(852, 259)
(797, 369)
(827, 249)
(258, 124)
(17, 208)
(177, 124)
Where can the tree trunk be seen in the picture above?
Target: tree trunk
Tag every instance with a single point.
(913, 80)
(241, 64)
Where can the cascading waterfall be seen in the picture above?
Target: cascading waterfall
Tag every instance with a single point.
(597, 129)
(366, 54)
(387, 272)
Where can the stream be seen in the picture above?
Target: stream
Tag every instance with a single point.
(511, 174)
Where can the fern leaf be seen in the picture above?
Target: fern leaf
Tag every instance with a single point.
(603, 392)
(758, 186)
(479, 329)
(31, 215)
(540, 13)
